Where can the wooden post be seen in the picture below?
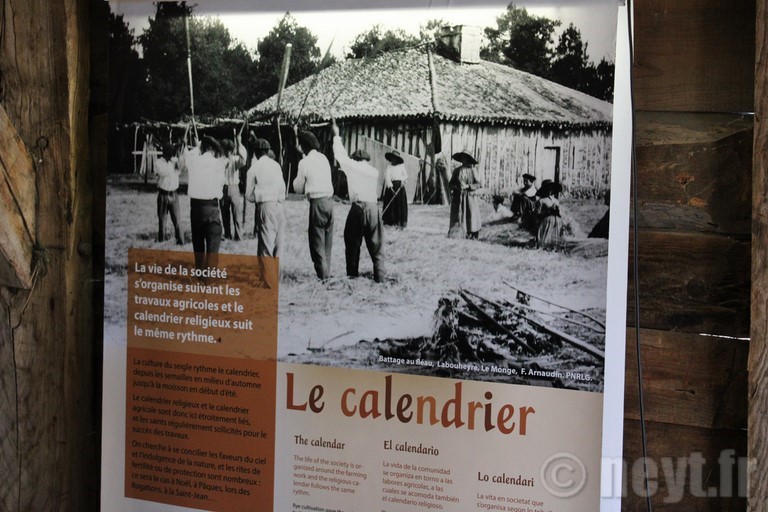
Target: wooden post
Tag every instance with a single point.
(757, 428)
(49, 434)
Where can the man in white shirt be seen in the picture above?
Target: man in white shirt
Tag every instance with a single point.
(264, 186)
(364, 220)
(314, 181)
(167, 197)
(205, 165)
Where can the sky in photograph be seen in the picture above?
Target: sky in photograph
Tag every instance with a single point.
(338, 24)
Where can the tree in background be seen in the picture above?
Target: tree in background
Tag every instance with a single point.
(305, 56)
(570, 63)
(526, 42)
(522, 41)
(126, 72)
(601, 84)
(428, 31)
(572, 68)
(220, 66)
(376, 40)
(166, 94)
(126, 83)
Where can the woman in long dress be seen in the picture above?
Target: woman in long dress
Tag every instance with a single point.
(395, 197)
(465, 205)
(549, 234)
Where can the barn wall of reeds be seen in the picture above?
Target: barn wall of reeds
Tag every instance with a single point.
(577, 157)
(693, 75)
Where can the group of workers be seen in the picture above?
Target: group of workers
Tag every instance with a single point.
(535, 209)
(214, 170)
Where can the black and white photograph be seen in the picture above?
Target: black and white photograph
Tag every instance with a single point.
(434, 183)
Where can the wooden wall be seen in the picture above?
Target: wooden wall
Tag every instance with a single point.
(505, 153)
(758, 353)
(49, 429)
(693, 74)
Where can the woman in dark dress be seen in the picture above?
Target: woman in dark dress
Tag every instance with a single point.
(465, 206)
(395, 196)
(549, 234)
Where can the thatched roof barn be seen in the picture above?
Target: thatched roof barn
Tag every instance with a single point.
(418, 99)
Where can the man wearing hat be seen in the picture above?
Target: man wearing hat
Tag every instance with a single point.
(465, 207)
(395, 197)
(524, 200)
(314, 181)
(205, 164)
(363, 221)
(167, 199)
(265, 187)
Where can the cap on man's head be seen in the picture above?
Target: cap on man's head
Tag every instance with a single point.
(309, 140)
(529, 177)
(209, 143)
(261, 144)
(168, 151)
(227, 145)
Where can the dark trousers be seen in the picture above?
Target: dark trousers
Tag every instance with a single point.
(364, 222)
(206, 231)
(231, 208)
(321, 235)
(168, 203)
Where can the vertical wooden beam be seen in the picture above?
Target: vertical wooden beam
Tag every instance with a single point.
(758, 354)
(48, 433)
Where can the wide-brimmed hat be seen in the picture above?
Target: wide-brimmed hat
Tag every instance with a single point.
(464, 157)
(548, 188)
(361, 154)
(308, 138)
(394, 157)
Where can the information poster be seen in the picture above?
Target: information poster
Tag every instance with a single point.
(364, 260)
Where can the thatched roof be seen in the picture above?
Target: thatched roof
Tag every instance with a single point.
(399, 85)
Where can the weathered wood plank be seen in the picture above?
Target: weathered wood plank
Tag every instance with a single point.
(17, 207)
(693, 283)
(44, 79)
(9, 461)
(694, 55)
(758, 355)
(694, 172)
(685, 467)
(688, 379)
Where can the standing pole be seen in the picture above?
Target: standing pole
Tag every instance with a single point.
(283, 78)
(189, 72)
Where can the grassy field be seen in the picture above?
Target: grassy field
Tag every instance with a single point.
(422, 266)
